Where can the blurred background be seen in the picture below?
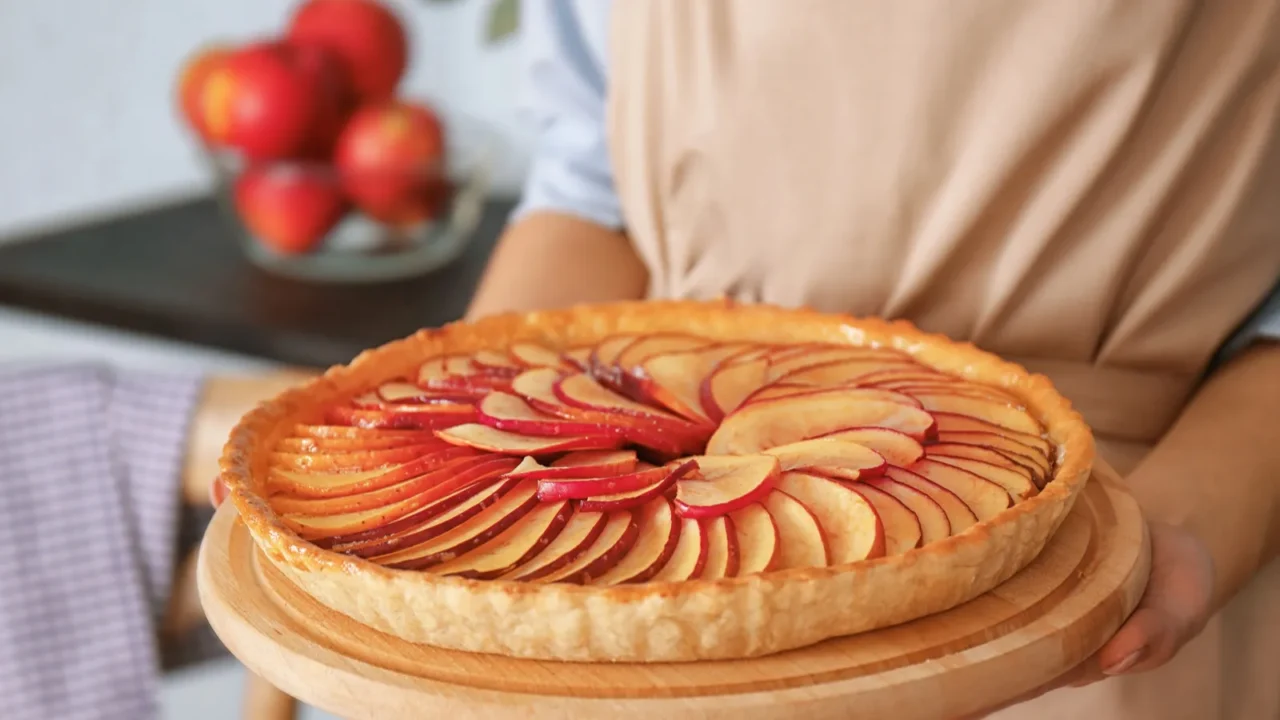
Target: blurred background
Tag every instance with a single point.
(131, 234)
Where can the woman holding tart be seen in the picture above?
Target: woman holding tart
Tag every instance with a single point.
(1088, 190)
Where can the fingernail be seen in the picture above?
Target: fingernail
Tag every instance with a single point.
(1126, 662)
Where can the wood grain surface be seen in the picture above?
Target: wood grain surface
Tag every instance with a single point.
(1040, 623)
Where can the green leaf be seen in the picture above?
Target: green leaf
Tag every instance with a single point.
(504, 20)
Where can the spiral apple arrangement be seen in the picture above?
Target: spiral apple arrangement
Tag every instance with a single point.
(315, 117)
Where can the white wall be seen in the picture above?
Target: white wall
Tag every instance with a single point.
(87, 121)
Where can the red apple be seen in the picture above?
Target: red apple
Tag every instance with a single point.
(367, 37)
(390, 157)
(191, 83)
(289, 208)
(335, 101)
(263, 101)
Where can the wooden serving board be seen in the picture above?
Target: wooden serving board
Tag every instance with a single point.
(1039, 624)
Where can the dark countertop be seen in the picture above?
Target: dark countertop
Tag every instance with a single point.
(176, 272)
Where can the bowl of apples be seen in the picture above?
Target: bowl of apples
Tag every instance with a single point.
(323, 171)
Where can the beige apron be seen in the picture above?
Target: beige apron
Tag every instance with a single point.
(1090, 187)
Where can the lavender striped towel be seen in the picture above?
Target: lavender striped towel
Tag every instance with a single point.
(89, 505)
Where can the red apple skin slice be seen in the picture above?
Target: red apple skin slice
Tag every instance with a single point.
(902, 531)
(424, 482)
(355, 461)
(1019, 464)
(635, 354)
(758, 539)
(729, 384)
(830, 457)
(402, 416)
(586, 463)
(994, 412)
(479, 529)
(640, 480)
(724, 484)
(583, 392)
(1018, 485)
(895, 447)
(959, 515)
(851, 525)
(1004, 444)
(282, 480)
(616, 539)
(985, 498)
(933, 521)
(801, 541)
(673, 380)
(410, 393)
(631, 499)
(659, 532)
(483, 437)
(524, 539)
(722, 548)
(760, 426)
(578, 534)
(952, 422)
(689, 557)
(605, 354)
(424, 523)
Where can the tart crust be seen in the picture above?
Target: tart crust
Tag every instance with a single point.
(660, 622)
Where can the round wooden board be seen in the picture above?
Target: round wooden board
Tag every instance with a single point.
(1040, 623)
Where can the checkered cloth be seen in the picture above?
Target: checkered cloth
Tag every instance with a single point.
(89, 507)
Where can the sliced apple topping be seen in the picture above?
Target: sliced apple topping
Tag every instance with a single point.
(586, 463)
(578, 534)
(902, 531)
(321, 480)
(659, 532)
(996, 413)
(355, 461)
(689, 557)
(533, 355)
(674, 379)
(403, 415)
(771, 423)
(831, 457)
(581, 391)
(483, 437)
(790, 365)
(484, 525)
(729, 384)
(933, 522)
(532, 532)
(619, 535)
(722, 548)
(575, 488)
(758, 539)
(724, 483)
(985, 498)
(897, 448)
(1017, 484)
(845, 372)
(644, 348)
(959, 515)
(801, 542)
(851, 528)
(579, 358)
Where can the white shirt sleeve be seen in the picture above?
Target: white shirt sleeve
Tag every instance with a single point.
(564, 96)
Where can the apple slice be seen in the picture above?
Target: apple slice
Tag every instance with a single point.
(631, 498)
(674, 379)
(406, 392)
(844, 372)
(996, 413)
(347, 432)
(587, 463)
(417, 527)
(1018, 485)
(578, 534)
(571, 488)
(729, 384)
(689, 557)
(348, 462)
(851, 527)
(486, 524)
(583, 392)
(902, 530)
(512, 547)
(800, 538)
(724, 483)
(322, 445)
(758, 540)
(483, 437)
(959, 515)
(771, 423)
(495, 361)
(829, 457)
(530, 354)
(967, 389)
(402, 415)
(321, 481)
(604, 356)
(659, 531)
(619, 536)
(722, 548)
(929, 515)
(781, 367)
(636, 353)
(511, 413)
(1017, 450)
(985, 498)
(1019, 464)
(579, 358)
(895, 447)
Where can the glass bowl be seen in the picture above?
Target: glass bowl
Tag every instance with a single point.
(360, 248)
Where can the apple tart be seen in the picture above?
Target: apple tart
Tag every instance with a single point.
(657, 481)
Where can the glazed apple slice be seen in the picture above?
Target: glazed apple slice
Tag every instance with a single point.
(571, 488)
(659, 531)
(897, 448)
(985, 498)
(758, 541)
(851, 527)
(483, 526)
(483, 437)
(620, 533)
(579, 358)
(495, 362)
(327, 445)
(852, 392)
(830, 457)
(605, 354)
(996, 413)
(406, 392)
(582, 391)
(402, 415)
(801, 542)
(537, 356)
(1017, 484)
(959, 515)
(781, 367)
(967, 389)
(674, 379)
(321, 481)
(932, 520)
(1019, 464)
(355, 461)
(586, 463)
(626, 500)
(724, 483)
(846, 371)
(643, 348)
(512, 547)
(689, 557)
(763, 425)
(578, 534)
(1016, 449)
(722, 548)
(902, 530)
(729, 384)
(347, 432)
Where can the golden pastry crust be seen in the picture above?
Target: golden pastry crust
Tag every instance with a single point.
(660, 622)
